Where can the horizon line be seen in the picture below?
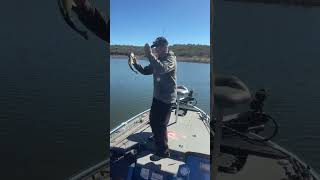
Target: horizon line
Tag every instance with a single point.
(169, 45)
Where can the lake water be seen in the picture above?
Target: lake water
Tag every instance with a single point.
(53, 111)
(276, 47)
(131, 93)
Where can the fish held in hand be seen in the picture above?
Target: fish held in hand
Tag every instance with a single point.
(131, 60)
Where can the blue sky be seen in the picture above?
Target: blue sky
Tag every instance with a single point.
(137, 22)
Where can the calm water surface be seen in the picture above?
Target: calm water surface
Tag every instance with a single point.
(53, 112)
(276, 47)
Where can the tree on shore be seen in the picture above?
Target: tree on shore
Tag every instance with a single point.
(182, 50)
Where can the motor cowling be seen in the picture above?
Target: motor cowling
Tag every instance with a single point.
(182, 92)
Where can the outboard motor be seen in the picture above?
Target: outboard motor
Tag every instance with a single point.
(182, 92)
(185, 96)
(185, 100)
(255, 120)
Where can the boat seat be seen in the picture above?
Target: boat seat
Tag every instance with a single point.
(230, 91)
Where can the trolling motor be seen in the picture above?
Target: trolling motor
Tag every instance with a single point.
(185, 99)
(257, 104)
(252, 121)
(185, 96)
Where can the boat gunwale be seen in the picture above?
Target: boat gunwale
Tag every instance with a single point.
(291, 155)
(127, 121)
(134, 117)
(91, 170)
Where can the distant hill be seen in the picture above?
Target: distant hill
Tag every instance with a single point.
(188, 52)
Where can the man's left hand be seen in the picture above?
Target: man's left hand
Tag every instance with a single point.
(147, 49)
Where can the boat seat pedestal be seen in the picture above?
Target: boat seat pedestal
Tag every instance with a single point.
(229, 92)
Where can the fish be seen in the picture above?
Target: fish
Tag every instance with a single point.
(130, 61)
(65, 7)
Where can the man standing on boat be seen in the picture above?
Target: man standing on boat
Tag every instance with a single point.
(163, 67)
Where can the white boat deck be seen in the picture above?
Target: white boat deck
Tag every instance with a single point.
(188, 134)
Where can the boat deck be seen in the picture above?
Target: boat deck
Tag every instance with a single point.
(239, 158)
(257, 167)
(244, 159)
(188, 134)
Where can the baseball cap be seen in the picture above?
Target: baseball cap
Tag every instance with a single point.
(159, 42)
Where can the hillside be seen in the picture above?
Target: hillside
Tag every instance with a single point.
(188, 52)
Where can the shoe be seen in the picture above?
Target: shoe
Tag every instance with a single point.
(164, 155)
(157, 156)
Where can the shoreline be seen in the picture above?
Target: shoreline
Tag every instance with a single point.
(203, 60)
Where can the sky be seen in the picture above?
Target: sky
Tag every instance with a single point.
(136, 22)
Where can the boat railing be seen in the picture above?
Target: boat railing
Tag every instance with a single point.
(91, 170)
(193, 108)
(126, 122)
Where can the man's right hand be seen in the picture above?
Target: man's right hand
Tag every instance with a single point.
(147, 50)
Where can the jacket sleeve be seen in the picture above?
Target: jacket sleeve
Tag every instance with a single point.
(164, 66)
(147, 70)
